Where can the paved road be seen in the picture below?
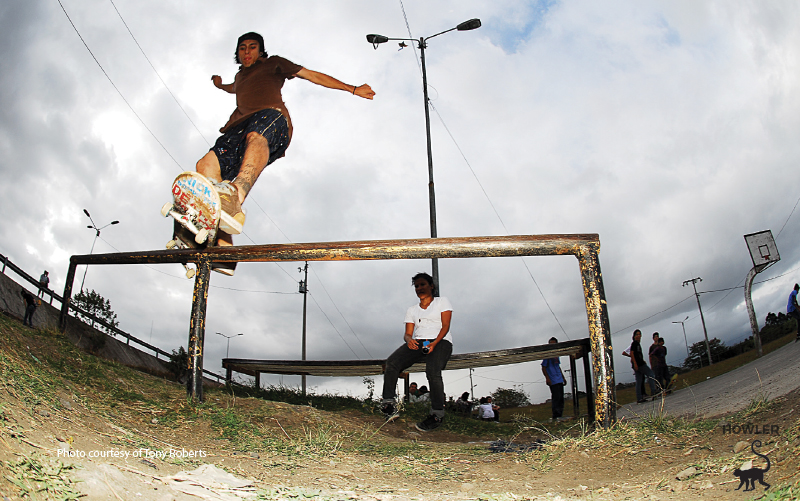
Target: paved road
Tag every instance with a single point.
(779, 373)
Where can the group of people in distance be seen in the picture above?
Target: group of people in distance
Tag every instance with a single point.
(658, 378)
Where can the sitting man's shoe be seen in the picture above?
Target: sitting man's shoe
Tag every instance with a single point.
(429, 423)
(224, 268)
(232, 216)
(390, 412)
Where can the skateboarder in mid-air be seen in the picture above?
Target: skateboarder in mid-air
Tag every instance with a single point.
(259, 130)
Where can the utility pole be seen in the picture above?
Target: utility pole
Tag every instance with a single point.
(471, 386)
(702, 319)
(304, 292)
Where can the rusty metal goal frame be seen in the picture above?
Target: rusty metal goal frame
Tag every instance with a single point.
(584, 247)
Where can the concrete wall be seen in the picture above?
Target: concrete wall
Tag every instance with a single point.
(83, 335)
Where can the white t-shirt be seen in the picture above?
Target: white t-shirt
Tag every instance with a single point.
(485, 411)
(428, 322)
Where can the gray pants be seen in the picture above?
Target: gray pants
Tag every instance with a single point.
(404, 357)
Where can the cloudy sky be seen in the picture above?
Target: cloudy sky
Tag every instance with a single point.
(668, 128)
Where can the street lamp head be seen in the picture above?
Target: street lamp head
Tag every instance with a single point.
(377, 39)
(87, 213)
(90, 227)
(469, 25)
(114, 222)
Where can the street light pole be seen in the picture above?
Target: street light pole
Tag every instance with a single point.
(422, 45)
(228, 350)
(702, 319)
(684, 333)
(96, 234)
(304, 292)
(431, 191)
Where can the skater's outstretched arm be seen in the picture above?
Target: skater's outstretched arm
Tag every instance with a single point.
(218, 84)
(328, 81)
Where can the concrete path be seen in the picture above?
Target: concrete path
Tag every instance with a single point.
(779, 373)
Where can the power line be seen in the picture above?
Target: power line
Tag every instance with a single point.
(334, 327)
(756, 283)
(340, 312)
(498, 216)
(787, 219)
(653, 315)
(157, 74)
(117, 89)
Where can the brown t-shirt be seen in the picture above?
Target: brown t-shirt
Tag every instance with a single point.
(259, 87)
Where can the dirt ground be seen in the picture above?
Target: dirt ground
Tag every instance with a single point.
(81, 441)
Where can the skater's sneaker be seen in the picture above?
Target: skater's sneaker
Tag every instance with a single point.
(390, 411)
(224, 268)
(429, 423)
(232, 215)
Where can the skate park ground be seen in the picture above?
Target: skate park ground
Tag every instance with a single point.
(773, 375)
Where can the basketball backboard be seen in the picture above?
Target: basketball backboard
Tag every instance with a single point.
(762, 248)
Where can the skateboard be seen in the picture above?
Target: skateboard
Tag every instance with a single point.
(196, 209)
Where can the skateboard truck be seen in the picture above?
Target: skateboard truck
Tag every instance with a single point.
(188, 221)
(177, 243)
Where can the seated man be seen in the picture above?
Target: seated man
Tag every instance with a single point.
(259, 130)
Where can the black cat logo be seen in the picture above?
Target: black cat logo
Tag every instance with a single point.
(747, 478)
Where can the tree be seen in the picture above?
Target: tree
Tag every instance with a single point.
(510, 397)
(772, 319)
(178, 365)
(777, 326)
(95, 304)
(698, 356)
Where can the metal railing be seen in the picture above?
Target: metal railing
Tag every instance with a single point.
(7, 264)
(584, 247)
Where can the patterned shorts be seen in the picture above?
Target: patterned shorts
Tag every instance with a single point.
(230, 146)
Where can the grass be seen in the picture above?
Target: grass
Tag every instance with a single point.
(789, 492)
(37, 366)
(289, 395)
(42, 478)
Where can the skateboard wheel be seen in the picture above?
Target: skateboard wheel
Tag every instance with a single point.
(166, 208)
(201, 236)
(172, 244)
(190, 272)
